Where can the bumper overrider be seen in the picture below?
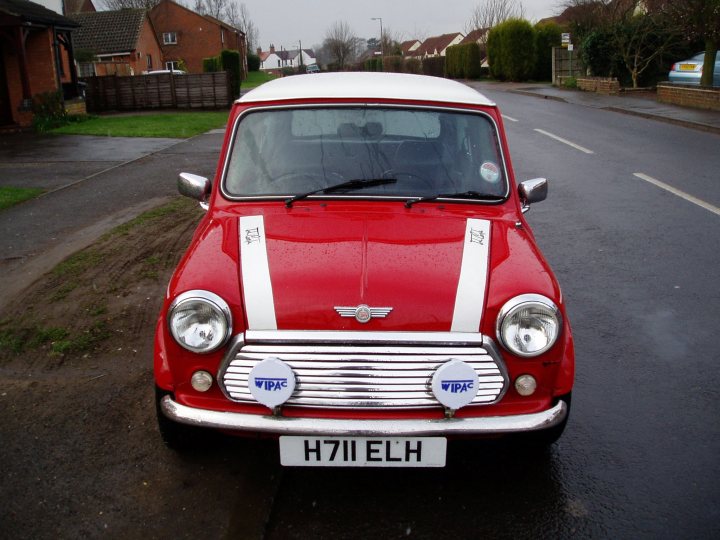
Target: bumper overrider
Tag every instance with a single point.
(358, 364)
(280, 425)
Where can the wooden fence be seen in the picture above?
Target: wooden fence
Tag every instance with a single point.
(566, 64)
(158, 91)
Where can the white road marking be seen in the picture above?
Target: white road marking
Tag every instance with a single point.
(565, 141)
(506, 117)
(662, 185)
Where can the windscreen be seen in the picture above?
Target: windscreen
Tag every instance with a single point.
(283, 152)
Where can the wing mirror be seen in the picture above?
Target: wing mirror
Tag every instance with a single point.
(532, 191)
(196, 187)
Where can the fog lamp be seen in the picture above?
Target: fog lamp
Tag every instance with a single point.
(201, 381)
(525, 385)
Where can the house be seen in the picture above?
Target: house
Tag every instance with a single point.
(276, 60)
(36, 56)
(187, 37)
(437, 45)
(78, 6)
(409, 47)
(124, 36)
(479, 36)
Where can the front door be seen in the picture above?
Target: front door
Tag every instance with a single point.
(5, 110)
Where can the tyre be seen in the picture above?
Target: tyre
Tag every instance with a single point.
(546, 437)
(176, 436)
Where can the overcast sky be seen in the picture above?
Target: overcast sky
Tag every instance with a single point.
(285, 22)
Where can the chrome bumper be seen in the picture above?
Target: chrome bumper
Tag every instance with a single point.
(281, 425)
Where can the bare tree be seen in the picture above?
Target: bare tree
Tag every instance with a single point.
(341, 44)
(490, 13)
(698, 19)
(238, 16)
(214, 8)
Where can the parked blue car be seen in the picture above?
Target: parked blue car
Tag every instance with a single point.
(690, 71)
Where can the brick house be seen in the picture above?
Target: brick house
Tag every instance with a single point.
(124, 36)
(36, 56)
(186, 37)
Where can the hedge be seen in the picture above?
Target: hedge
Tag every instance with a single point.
(511, 50)
(434, 66)
(547, 36)
(230, 61)
(211, 64)
(463, 61)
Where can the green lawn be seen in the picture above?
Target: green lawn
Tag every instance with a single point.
(10, 196)
(175, 125)
(254, 79)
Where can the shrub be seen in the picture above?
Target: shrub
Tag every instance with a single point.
(463, 61)
(413, 65)
(373, 64)
(230, 62)
(253, 62)
(547, 36)
(288, 71)
(392, 64)
(48, 111)
(569, 82)
(434, 66)
(598, 54)
(511, 49)
(211, 64)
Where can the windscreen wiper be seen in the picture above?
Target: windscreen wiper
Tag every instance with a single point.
(476, 195)
(348, 185)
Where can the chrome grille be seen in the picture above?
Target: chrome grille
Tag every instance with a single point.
(364, 370)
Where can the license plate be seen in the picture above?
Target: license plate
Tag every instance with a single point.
(362, 451)
(687, 67)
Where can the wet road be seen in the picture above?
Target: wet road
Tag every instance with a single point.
(639, 269)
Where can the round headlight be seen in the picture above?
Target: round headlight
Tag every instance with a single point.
(528, 325)
(200, 321)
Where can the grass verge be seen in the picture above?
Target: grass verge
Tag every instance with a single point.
(103, 294)
(255, 79)
(10, 196)
(171, 125)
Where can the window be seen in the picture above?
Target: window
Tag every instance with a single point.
(426, 152)
(222, 35)
(149, 62)
(173, 65)
(169, 38)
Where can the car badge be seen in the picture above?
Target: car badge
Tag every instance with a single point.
(363, 313)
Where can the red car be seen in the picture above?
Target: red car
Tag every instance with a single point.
(364, 285)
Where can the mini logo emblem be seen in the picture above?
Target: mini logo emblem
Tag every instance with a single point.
(363, 313)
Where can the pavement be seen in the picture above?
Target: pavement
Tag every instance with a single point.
(95, 183)
(641, 104)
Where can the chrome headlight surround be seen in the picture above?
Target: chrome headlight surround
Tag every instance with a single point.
(200, 321)
(528, 325)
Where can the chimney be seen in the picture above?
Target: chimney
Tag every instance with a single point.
(272, 48)
(259, 51)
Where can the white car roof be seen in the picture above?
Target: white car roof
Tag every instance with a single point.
(362, 85)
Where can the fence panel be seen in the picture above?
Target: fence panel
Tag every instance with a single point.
(566, 64)
(159, 91)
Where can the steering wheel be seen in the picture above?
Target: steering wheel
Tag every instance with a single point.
(306, 180)
(422, 181)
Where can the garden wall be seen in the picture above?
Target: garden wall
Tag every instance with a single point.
(689, 96)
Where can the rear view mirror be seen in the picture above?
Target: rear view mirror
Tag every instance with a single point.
(194, 186)
(532, 191)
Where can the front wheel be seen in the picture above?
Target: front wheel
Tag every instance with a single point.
(176, 436)
(543, 438)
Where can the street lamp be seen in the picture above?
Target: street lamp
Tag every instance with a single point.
(382, 51)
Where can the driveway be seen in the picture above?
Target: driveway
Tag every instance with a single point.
(94, 184)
